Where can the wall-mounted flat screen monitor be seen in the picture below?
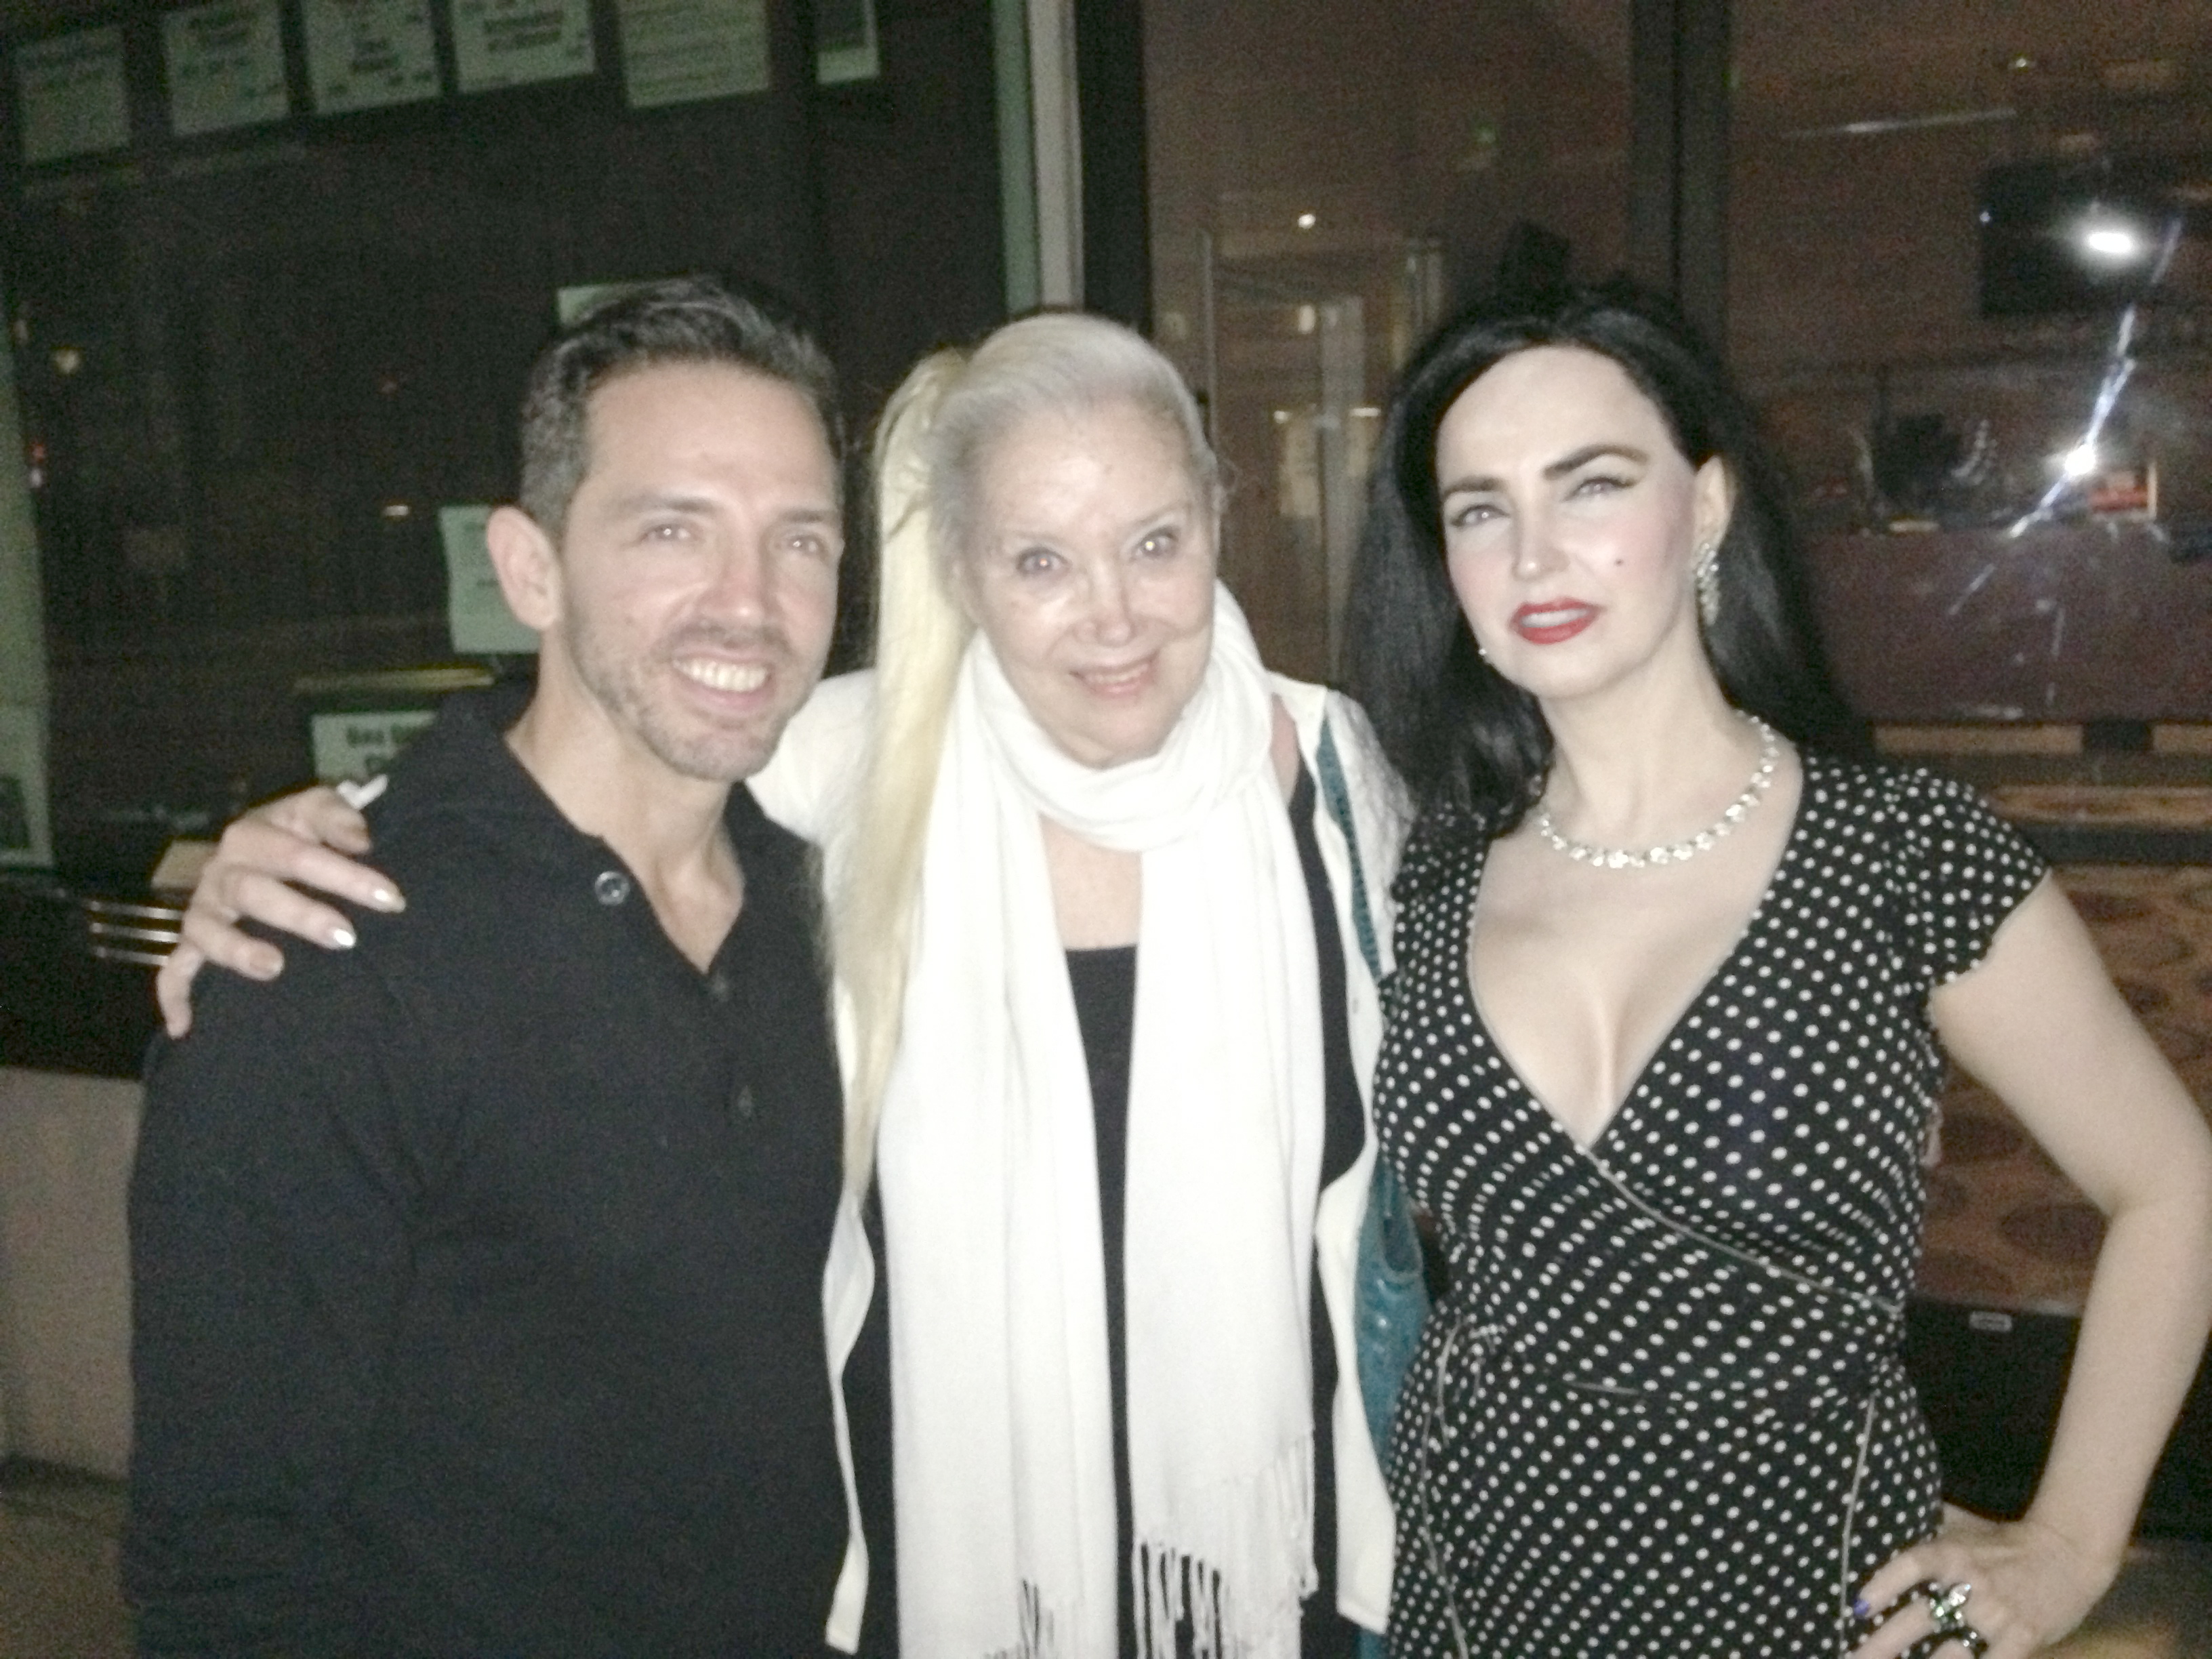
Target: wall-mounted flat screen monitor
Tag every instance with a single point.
(2088, 235)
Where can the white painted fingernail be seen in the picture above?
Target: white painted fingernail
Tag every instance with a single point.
(388, 900)
(342, 938)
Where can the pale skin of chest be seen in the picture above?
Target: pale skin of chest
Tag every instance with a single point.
(698, 908)
(1582, 973)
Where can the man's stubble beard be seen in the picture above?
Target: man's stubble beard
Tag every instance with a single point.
(622, 685)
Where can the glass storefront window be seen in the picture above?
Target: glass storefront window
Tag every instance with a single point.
(269, 325)
(1968, 282)
(1328, 176)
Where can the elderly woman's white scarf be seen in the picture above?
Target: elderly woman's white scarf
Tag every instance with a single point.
(1001, 1414)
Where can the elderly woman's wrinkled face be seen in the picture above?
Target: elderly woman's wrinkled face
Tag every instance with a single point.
(1090, 571)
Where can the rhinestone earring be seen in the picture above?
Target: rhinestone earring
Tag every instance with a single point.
(1705, 577)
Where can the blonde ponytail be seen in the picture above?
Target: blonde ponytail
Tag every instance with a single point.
(922, 633)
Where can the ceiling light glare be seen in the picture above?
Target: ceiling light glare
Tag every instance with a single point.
(1306, 222)
(2080, 462)
(2119, 243)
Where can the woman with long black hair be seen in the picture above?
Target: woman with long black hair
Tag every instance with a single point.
(1672, 966)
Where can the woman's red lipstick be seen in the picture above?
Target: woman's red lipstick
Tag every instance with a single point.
(1552, 621)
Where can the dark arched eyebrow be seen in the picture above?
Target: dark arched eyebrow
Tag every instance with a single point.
(1589, 453)
(1558, 469)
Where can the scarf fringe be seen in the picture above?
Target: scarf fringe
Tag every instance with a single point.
(1244, 1605)
(1039, 1638)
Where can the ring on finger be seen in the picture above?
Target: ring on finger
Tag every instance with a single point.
(1947, 1606)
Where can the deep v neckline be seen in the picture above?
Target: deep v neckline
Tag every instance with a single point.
(1751, 922)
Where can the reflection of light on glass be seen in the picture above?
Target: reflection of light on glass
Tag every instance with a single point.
(2080, 461)
(2119, 369)
(2109, 238)
(1981, 578)
(1308, 319)
(395, 509)
(68, 359)
(1306, 222)
(1282, 417)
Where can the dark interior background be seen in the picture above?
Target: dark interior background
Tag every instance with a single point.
(253, 366)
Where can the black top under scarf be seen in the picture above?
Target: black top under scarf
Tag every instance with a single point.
(1104, 984)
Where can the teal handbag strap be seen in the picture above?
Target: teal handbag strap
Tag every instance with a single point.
(1337, 798)
(1390, 1298)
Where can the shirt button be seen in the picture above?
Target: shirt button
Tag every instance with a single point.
(718, 987)
(742, 1102)
(611, 887)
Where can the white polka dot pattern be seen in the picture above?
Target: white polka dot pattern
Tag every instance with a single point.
(1661, 1411)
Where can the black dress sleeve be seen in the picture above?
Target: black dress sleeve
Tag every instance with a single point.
(1963, 871)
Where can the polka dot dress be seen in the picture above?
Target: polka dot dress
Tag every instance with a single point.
(1661, 1411)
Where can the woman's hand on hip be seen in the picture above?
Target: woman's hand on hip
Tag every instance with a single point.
(2025, 1583)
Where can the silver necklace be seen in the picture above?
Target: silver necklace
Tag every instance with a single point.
(1616, 857)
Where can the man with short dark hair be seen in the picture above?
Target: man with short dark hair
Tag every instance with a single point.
(480, 1288)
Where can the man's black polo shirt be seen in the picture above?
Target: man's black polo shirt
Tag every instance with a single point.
(479, 1268)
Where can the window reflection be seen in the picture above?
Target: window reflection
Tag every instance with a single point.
(1968, 281)
(1325, 175)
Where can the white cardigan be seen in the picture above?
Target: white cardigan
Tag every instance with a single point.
(807, 786)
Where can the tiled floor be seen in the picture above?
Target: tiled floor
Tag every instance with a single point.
(58, 1536)
(58, 1598)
